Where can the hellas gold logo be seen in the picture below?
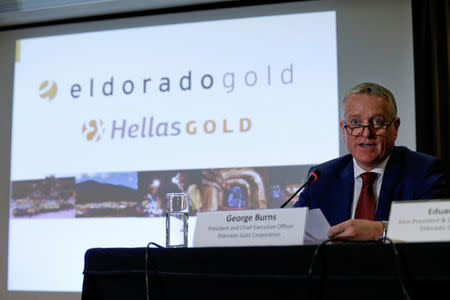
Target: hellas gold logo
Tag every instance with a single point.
(47, 90)
(93, 130)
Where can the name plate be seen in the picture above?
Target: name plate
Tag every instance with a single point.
(420, 221)
(264, 227)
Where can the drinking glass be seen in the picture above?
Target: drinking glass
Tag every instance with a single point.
(177, 215)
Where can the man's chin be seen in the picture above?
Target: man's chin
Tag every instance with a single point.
(367, 161)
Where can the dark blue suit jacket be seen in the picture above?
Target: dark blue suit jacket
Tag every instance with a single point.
(408, 175)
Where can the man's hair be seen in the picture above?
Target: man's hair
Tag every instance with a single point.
(371, 89)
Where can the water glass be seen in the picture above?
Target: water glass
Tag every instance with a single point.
(177, 215)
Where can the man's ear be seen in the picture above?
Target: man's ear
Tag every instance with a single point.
(397, 123)
(344, 134)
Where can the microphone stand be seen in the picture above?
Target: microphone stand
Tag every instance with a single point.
(296, 192)
(312, 177)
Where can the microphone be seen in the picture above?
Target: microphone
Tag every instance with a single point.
(312, 177)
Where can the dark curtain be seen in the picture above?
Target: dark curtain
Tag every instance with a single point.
(431, 30)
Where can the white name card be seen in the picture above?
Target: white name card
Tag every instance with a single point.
(263, 227)
(420, 221)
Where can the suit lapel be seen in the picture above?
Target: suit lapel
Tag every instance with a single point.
(345, 195)
(390, 176)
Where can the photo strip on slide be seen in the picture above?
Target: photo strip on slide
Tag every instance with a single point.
(142, 194)
(50, 197)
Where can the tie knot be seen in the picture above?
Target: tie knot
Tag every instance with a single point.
(368, 178)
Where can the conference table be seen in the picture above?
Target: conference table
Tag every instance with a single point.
(339, 271)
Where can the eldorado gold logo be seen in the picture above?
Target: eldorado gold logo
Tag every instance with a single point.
(48, 91)
(93, 130)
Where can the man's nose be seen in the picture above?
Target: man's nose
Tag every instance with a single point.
(368, 132)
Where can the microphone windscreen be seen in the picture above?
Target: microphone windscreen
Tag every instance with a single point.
(315, 174)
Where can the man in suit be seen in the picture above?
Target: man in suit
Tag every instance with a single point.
(355, 191)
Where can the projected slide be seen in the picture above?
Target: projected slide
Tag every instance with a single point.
(233, 112)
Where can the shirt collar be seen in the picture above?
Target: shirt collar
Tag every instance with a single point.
(357, 170)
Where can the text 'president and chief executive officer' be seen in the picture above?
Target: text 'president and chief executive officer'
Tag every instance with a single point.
(355, 191)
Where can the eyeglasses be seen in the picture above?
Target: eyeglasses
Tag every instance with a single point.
(379, 129)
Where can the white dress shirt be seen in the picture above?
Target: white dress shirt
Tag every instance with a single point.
(357, 171)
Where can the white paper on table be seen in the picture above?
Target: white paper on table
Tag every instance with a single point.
(316, 227)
